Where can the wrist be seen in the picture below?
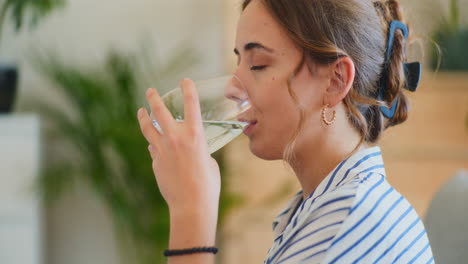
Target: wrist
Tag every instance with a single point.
(190, 227)
(194, 210)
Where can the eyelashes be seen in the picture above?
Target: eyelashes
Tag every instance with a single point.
(258, 67)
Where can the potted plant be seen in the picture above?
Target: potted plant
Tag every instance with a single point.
(452, 38)
(17, 10)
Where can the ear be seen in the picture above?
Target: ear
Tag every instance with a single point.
(342, 74)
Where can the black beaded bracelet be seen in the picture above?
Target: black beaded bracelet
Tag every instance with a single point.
(178, 252)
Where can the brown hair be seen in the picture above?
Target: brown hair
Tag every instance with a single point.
(328, 29)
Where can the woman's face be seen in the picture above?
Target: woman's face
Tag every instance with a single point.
(267, 59)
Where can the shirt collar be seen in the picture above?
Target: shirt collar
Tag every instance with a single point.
(364, 161)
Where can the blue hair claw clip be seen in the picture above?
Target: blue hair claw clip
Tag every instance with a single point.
(412, 70)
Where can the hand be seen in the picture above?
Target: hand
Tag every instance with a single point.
(187, 176)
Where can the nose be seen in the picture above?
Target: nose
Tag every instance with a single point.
(235, 90)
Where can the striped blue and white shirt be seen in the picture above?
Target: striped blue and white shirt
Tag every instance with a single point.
(353, 216)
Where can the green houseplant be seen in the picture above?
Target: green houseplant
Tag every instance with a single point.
(452, 38)
(104, 146)
(18, 11)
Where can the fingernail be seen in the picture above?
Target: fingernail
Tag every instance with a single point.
(150, 148)
(149, 92)
(184, 80)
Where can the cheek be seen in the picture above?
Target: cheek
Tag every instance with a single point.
(276, 112)
(277, 102)
(275, 130)
(279, 113)
(309, 91)
(273, 99)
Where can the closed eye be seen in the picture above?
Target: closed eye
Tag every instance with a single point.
(257, 68)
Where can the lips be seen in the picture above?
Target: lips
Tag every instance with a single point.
(247, 120)
(248, 129)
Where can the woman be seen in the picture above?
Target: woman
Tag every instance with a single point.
(325, 78)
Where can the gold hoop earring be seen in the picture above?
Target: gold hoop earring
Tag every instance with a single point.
(324, 118)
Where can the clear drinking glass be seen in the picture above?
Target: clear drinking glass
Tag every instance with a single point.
(219, 114)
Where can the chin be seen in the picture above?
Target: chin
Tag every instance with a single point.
(264, 151)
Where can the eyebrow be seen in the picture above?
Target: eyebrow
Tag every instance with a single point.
(254, 45)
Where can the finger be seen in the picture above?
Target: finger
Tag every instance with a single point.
(159, 110)
(147, 128)
(192, 112)
(152, 151)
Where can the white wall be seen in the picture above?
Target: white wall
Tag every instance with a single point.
(20, 212)
(79, 228)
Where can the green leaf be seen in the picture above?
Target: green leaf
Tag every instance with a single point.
(454, 16)
(35, 9)
(54, 181)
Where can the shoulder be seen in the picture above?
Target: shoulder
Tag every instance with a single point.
(364, 219)
(347, 197)
(381, 225)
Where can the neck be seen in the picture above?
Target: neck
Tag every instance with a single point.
(313, 161)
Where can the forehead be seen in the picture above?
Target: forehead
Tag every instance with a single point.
(257, 25)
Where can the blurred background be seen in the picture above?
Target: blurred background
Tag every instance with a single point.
(76, 181)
